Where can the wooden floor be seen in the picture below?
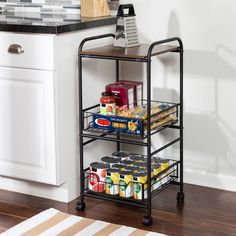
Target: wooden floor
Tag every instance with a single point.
(205, 211)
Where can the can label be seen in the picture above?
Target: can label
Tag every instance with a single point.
(126, 186)
(112, 183)
(165, 176)
(140, 187)
(156, 182)
(97, 179)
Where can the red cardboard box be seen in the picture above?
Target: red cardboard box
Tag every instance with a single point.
(124, 93)
(138, 91)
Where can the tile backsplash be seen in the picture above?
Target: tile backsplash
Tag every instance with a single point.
(49, 6)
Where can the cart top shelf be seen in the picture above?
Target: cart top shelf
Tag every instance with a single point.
(133, 53)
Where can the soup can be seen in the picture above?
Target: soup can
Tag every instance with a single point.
(140, 185)
(112, 181)
(97, 175)
(164, 165)
(132, 168)
(126, 184)
(127, 162)
(124, 155)
(111, 160)
(137, 158)
(141, 165)
(156, 182)
(119, 166)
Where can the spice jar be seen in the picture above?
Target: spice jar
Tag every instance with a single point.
(107, 104)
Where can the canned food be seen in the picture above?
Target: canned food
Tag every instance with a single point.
(119, 166)
(124, 155)
(156, 182)
(112, 181)
(137, 158)
(111, 160)
(127, 162)
(141, 165)
(97, 175)
(140, 185)
(132, 168)
(164, 165)
(126, 184)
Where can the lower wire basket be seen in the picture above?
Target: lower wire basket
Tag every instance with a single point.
(129, 189)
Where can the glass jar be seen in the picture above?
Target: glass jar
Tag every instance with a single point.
(107, 104)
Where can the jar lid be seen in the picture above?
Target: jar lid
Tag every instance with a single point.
(107, 94)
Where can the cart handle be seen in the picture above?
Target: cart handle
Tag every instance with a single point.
(94, 38)
(162, 42)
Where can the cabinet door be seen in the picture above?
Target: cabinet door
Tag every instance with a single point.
(27, 134)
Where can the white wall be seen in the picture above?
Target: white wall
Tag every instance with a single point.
(209, 36)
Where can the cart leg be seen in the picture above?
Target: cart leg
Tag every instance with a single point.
(80, 206)
(147, 220)
(180, 194)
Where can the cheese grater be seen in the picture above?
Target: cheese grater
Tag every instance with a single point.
(126, 30)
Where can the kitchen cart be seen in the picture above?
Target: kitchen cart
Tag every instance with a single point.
(173, 174)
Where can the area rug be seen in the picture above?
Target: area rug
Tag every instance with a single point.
(53, 222)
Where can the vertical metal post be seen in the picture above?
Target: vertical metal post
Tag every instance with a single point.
(117, 80)
(117, 70)
(81, 122)
(181, 120)
(149, 200)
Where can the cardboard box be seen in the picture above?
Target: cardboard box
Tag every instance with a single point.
(124, 93)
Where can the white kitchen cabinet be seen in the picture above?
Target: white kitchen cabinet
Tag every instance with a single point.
(39, 152)
(27, 136)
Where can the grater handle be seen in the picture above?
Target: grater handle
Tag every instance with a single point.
(122, 7)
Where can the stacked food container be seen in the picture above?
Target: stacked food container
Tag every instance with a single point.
(125, 174)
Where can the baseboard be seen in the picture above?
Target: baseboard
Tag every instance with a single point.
(61, 194)
(211, 180)
(34, 189)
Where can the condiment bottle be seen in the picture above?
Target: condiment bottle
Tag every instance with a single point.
(107, 104)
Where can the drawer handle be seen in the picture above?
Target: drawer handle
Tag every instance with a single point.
(15, 48)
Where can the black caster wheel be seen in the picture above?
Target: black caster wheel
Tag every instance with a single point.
(180, 197)
(147, 220)
(80, 206)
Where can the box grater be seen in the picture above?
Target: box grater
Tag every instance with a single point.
(126, 30)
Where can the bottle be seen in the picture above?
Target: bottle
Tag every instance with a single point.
(107, 104)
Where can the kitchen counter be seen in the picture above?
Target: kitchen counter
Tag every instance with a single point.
(49, 23)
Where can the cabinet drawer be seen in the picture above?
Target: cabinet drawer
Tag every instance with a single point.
(37, 52)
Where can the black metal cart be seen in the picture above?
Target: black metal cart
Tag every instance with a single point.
(87, 134)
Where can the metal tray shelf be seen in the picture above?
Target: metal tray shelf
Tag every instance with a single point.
(119, 124)
(163, 179)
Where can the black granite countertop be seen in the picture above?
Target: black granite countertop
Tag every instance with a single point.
(49, 23)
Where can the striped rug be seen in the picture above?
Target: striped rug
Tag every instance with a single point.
(53, 222)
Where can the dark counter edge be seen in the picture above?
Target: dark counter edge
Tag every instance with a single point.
(91, 23)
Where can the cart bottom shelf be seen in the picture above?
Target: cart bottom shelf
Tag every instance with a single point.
(165, 179)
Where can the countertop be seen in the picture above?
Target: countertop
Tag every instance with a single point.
(49, 23)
